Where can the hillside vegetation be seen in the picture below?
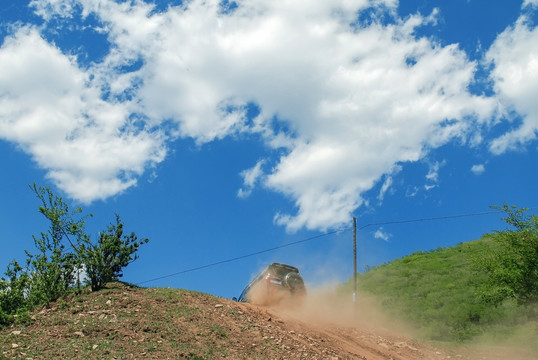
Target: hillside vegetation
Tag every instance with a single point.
(443, 292)
(487, 288)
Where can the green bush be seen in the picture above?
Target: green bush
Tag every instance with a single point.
(511, 260)
(63, 252)
(104, 261)
(13, 293)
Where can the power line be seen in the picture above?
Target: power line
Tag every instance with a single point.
(430, 219)
(244, 256)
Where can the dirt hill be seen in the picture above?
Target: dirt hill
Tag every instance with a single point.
(123, 322)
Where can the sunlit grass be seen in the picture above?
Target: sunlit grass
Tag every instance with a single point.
(439, 292)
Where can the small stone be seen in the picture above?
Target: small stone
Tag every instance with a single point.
(14, 346)
(16, 332)
(94, 347)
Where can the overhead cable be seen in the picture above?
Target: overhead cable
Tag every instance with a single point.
(244, 256)
(429, 219)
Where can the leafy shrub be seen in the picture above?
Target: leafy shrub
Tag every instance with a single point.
(54, 270)
(511, 261)
(105, 260)
(12, 292)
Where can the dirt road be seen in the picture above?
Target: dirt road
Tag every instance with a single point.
(329, 328)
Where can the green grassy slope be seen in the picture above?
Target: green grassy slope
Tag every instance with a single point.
(439, 292)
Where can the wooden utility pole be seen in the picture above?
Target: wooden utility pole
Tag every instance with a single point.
(354, 259)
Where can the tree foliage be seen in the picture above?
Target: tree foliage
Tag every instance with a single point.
(12, 292)
(63, 252)
(512, 261)
(104, 260)
(52, 269)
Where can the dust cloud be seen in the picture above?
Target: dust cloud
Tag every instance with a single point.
(326, 306)
(260, 295)
(520, 343)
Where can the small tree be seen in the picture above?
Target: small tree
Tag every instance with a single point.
(52, 269)
(104, 261)
(512, 262)
(62, 253)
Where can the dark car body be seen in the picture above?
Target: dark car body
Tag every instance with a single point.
(275, 283)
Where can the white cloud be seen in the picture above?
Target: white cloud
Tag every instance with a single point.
(478, 169)
(357, 101)
(384, 188)
(433, 174)
(250, 178)
(388, 182)
(381, 234)
(514, 55)
(49, 107)
(411, 191)
(529, 3)
(47, 9)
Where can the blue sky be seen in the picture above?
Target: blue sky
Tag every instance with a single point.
(220, 129)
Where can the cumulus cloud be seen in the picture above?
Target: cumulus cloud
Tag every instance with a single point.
(49, 107)
(344, 102)
(514, 56)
